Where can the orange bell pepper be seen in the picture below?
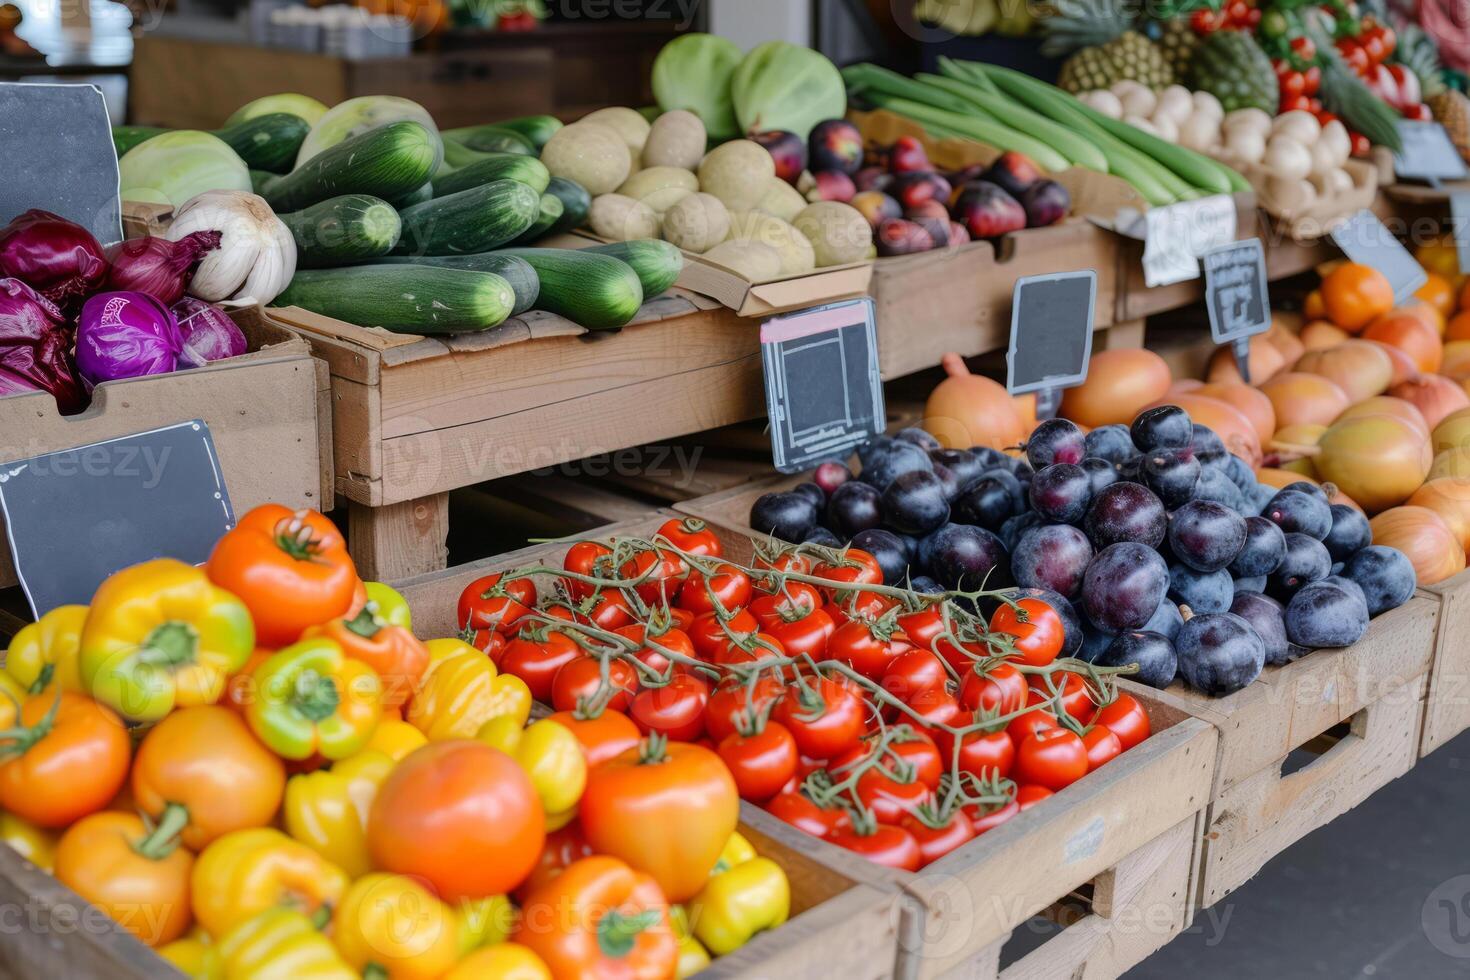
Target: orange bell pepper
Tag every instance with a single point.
(396, 654)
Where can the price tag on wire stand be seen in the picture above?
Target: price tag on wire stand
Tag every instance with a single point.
(1177, 235)
(1460, 226)
(1365, 240)
(1051, 336)
(1428, 154)
(1236, 297)
(824, 394)
(76, 516)
(56, 153)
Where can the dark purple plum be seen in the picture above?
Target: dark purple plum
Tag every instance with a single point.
(1011, 531)
(1054, 557)
(1013, 485)
(812, 492)
(788, 516)
(925, 585)
(1202, 439)
(1126, 512)
(1241, 475)
(1061, 493)
(1131, 469)
(1110, 442)
(1206, 535)
(917, 437)
(836, 144)
(1263, 550)
(1100, 473)
(854, 507)
(1262, 495)
(1306, 561)
(1267, 618)
(1215, 485)
(915, 503)
(1256, 583)
(1300, 512)
(1172, 474)
(986, 503)
(830, 476)
(1353, 588)
(1350, 533)
(990, 457)
(1055, 441)
(894, 459)
(1094, 643)
(965, 465)
(1166, 620)
(1021, 469)
(968, 558)
(1202, 592)
(822, 536)
(1165, 427)
(1219, 653)
(1385, 574)
(1123, 586)
(888, 549)
(1072, 627)
(1311, 489)
(1321, 614)
(1152, 653)
(948, 481)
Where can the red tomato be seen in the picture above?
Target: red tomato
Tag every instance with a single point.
(785, 561)
(887, 845)
(935, 842)
(914, 674)
(964, 656)
(1076, 700)
(1054, 758)
(762, 763)
(801, 628)
(489, 603)
(488, 642)
(1205, 21)
(1293, 85)
(858, 605)
(1029, 796)
(1001, 691)
(1361, 145)
(918, 750)
(938, 708)
(1354, 55)
(1103, 746)
(1032, 722)
(709, 633)
(861, 646)
(675, 710)
(585, 558)
(734, 702)
(1304, 48)
(888, 798)
(730, 585)
(826, 720)
(797, 809)
(1039, 639)
(983, 819)
(691, 535)
(662, 573)
(603, 737)
(751, 650)
(1312, 80)
(1238, 12)
(854, 567)
(1373, 46)
(982, 753)
(1419, 112)
(1126, 717)
(537, 661)
(608, 610)
(669, 638)
(923, 625)
(1295, 103)
(579, 684)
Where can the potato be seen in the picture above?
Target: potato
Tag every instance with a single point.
(839, 234)
(698, 223)
(782, 200)
(593, 155)
(677, 139)
(797, 254)
(738, 173)
(753, 260)
(660, 187)
(627, 123)
(623, 219)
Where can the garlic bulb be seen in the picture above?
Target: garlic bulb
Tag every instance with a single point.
(256, 257)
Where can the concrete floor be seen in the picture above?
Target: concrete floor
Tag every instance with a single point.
(1383, 891)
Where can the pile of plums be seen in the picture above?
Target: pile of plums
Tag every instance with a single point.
(1155, 545)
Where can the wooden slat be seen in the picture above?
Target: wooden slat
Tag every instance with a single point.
(1447, 706)
(399, 540)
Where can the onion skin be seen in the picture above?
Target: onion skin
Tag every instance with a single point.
(1360, 368)
(1305, 399)
(1378, 460)
(1436, 397)
(1449, 497)
(1120, 383)
(1425, 538)
(967, 410)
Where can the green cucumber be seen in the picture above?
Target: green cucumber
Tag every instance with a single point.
(518, 272)
(386, 162)
(417, 196)
(261, 181)
(492, 139)
(477, 220)
(124, 138)
(595, 291)
(575, 201)
(546, 219)
(268, 142)
(346, 230)
(538, 129)
(657, 263)
(495, 166)
(415, 299)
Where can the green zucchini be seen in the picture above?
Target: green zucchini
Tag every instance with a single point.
(595, 291)
(1077, 149)
(492, 139)
(268, 142)
(495, 166)
(346, 230)
(386, 162)
(261, 180)
(546, 219)
(477, 220)
(575, 201)
(518, 272)
(657, 263)
(417, 196)
(538, 129)
(415, 299)
(124, 138)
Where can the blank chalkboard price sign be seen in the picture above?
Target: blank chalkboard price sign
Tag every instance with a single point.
(824, 395)
(1428, 153)
(1365, 240)
(76, 516)
(56, 153)
(1051, 335)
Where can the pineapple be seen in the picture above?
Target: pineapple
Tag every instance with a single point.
(1177, 39)
(1233, 68)
(1452, 110)
(1129, 56)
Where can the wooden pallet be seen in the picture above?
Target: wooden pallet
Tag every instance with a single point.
(1447, 705)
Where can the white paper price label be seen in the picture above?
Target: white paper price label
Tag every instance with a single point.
(1428, 153)
(1177, 235)
(1365, 240)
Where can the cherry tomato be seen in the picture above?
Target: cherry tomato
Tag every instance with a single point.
(1040, 638)
(1030, 795)
(802, 629)
(982, 819)
(797, 809)
(762, 763)
(858, 605)
(1205, 21)
(608, 609)
(767, 606)
(961, 657)
(1419, 112)
(918, 750)
(923, 625)
(585, 558)
(935, 842)
(1238, 12)
(495, 603)
(1076, 700)
(665, 572)
(938, 708)
(1312, 80)
(734, 701)
(982, 753)
(786, 561)
(730, 585)
(751, 650)
(1293, 85)
(676, 709)
(1001, 691)
(1103, 746)
(1054, 758)
(709, 633)
(914, 674)
(691, 535)
(1361, 145)
(887, 845)
(888, 798)
(1126, 717)
(669, 638)
(1031, 723)
(861, 646)
(826, 719)
(1304, 48)
(603, 737)
(489, 642)
(1354, 55)
(537, 661)
(579, 682)
(854, 567)
(1373, 47)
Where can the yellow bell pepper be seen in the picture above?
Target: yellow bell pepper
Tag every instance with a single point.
(161, 636)
(246, 872)
(693, 957)
(36, 845)
(485, 921)
(462, 690)
(551, 755)
(396, 927)
(280, 944)
(327, 810)
(506, 961)
(737, 904)
(194, 956)
(737, 851)
(46, 651)
(395, 738)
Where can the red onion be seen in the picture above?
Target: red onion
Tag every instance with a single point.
(125, 335)
(34, 341)
(209, 333)
(157, 266)
(58, 258)
(14, 384)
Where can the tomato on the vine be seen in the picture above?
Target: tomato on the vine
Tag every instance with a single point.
(1103, 746)
(1293, 85)
(1030, 795)
(983, 818)
(753, 649)
(1054, 758)
(729, 584)
(1312, 80)
(709, 633)
(691, 535)
(608, 609)
(801, 625)
(535, 656)
(1001, 690)
(602, 737)
(1032, 722)
(1126, 717)
(494, 602)
(798, 809)
(915, 675)
(579, 682)
(935, 842)
(826, 716)
(1040, 638)
(661, 574)
(888, 798)
(854, 567)
(585, 558)
(865, 647)
(1354, 55)
(887, 845)
(923, 626)
(919, 751)
(786, 561)
(1304, 48)
(668, 638)
(762, 762)
(735, 702)
(1204, 21)
(675, 709)
(983, 754)
(1075, 698)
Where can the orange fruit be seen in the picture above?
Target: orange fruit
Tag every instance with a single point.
(1442, 258)
(1410, 334)
(1438, 293)
(1429, 314)
(1459, 327)
(1313, 308)
(1355, 295)
(1465, 296)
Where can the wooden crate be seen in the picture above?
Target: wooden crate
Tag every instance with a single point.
(267, 411)
(416, 417)
(1447, 705)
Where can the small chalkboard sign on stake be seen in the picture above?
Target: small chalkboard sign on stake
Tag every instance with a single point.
(1365, 240)
(1428, 154)
(1051, 336)
(76, 516)
(824, 394)
(1236, 297)
(56, 153)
